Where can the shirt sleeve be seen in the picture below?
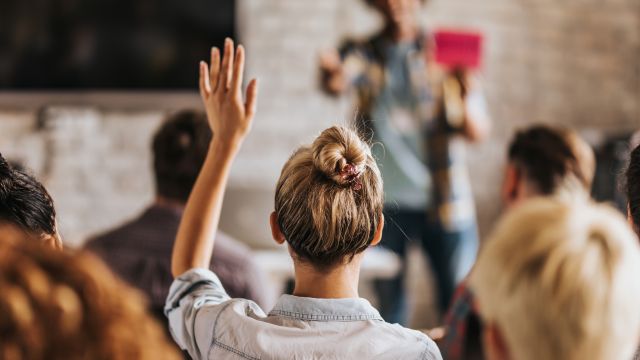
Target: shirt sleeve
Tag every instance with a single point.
(193, 304)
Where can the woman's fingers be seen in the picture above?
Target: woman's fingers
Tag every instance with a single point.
(252, 99)
(227, 66)
(215, 68)
(205, 88)
(238, 70)
(227, 74)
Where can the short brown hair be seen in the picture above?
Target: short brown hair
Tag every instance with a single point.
(179, 149)
(57, 305)
(547, 157)
(325, 216)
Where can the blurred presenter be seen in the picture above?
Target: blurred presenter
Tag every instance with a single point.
(411, 106)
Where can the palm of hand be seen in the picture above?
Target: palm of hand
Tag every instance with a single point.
(230, 116)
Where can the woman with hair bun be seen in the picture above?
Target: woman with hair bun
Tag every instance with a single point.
(328, 209)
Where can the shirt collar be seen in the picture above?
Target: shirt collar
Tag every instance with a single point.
(314, 309)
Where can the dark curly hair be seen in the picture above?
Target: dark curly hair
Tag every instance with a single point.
(25, 202)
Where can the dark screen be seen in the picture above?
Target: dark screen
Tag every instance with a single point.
(108, 44)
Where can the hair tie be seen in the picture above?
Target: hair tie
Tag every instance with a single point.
(351, 174)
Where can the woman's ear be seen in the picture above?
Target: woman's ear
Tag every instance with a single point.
(277, 235)
(378, 235)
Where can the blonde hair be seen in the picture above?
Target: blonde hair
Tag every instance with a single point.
(55, 305)
(329, 198)
(559, 280)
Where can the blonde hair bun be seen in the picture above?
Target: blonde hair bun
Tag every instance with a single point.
(329, 199)
(335, 149)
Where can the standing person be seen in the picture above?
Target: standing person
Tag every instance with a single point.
(328, 209)
(427, 192)
(140, 250)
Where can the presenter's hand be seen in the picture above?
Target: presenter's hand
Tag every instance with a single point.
(467, 78)
(230, 113)
(332, 72)
(475, 121)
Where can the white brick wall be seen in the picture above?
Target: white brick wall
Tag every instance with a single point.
(572, 63)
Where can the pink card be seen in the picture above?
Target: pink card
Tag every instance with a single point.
(458, 49)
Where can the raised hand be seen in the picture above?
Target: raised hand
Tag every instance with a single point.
(230, 118)
(332, 72)
(230, 114)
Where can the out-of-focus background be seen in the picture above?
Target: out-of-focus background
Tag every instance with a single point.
(573, 63)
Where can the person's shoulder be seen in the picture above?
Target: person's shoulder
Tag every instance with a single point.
(102, 240)
(109, 240)
(413, 342)
(132, 230)
(236, 311)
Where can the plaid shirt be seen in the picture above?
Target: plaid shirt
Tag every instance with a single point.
(463, 338)
(451, 200)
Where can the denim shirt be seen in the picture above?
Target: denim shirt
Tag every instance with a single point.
(208, 324)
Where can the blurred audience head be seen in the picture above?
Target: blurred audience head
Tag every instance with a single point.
(558, 280)
(60, 306)
(633, 189)
(328, 203)
(26, 204)
(397, 11)
(179, 149)
(546, 161)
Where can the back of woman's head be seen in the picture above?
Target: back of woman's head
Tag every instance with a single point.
(329, 199)
(25, 202)
(55, 305)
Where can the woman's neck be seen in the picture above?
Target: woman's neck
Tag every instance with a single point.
(339, 282)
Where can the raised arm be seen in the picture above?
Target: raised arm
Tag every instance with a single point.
(230, 118)
(477, 122)
(333, 79)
